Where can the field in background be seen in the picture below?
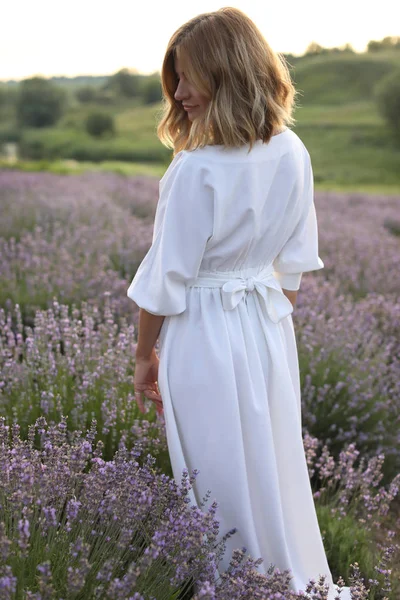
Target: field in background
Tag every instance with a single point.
(350, 144)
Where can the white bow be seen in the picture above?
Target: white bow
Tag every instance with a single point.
(277, 305)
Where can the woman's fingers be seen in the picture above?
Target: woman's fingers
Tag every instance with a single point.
(151, 395)
(138, 396)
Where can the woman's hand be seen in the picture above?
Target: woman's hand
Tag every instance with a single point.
(146, 382)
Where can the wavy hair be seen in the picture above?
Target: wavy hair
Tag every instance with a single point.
(228, 60)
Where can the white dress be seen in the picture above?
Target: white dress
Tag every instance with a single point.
(233, 228)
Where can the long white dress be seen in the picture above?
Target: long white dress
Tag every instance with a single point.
(232, 228)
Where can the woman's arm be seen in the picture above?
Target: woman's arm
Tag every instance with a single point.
(149, 329)
(291, 295)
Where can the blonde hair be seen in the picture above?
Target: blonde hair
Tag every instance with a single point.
(228, 60)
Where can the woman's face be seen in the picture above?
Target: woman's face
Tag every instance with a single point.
(192, 101)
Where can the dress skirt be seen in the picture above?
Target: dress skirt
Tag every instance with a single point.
(229, 381)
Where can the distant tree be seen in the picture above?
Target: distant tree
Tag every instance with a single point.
(288, 56)
(151, 90)
(86, 93)
(388, 42)
(387, 95)
(99, 123)
(391, 41)
(8, 95)
(39, 102)
(347, 48)
(314, 48)
(124, 83)
(374, 46)
(3, 97)
(107, 97)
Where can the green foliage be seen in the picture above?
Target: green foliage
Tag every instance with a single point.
(69, 167)
(53, 144)
(315, 48)
(106, 97)
(351, 147)
(347, 155)
(392, 225)
(387, 94)
(49, 143)
(39, 103)
(8, 97)
(349, 141)
(86, 93)
(10, 134)
(99, 123)
(345, 542)
(337, 408)
(152, 91)
(336, 80)
(124, 83)
(389, 42)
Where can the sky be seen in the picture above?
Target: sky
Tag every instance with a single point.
(84, 37)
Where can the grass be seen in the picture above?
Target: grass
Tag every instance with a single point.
(71, 167)
(361, 112)
(346, 542)
(356, 156)
(351, 146)
(339, 79)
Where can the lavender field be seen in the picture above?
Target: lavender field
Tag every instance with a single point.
(88, 505)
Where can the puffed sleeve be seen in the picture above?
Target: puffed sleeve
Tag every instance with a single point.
(300, 252)
(182, 227)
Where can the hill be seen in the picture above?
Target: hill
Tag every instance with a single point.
(339, 79)
(350, 144)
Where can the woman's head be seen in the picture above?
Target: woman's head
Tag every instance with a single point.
(186, 93)
(220, 63)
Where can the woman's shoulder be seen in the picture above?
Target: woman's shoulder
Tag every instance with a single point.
(186, 167)
(279, 143)
(286, 145)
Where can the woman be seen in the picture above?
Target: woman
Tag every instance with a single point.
(234, 230)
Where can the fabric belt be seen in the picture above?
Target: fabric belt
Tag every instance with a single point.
(236, 284)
